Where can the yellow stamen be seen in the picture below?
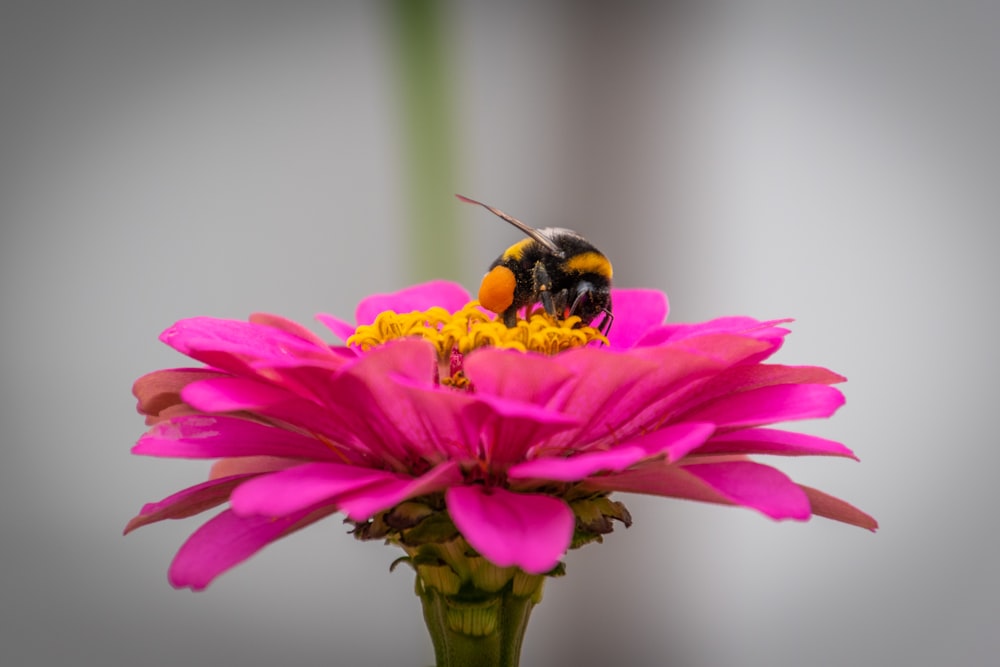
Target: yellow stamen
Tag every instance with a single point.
(458, 381)
(472, 328)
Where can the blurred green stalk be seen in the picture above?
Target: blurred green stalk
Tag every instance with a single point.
(431, 229)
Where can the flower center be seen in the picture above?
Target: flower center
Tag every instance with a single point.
(472, 328)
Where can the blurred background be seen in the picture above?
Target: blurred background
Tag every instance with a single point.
(832, 162)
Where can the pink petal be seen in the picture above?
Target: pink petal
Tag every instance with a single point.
(744, 483)
(658, 479)
(402, 422)
(231, 394)
(730, 349)
(229, 344)
(746, 377)
(827, 506)
(367, 502)
(636, 311)
(227, 540)
(436, 293)
(492, 427)
(288, 326)
(754, 485)
(359, 492)
(362, 405)
(674, 441)
(610, 388)
(160, 390)
(531, 531)
(690, 364)
(510, 428)
(388, 402)
(410, 359)
(178, 409)
(341, 329)
(308, 379)
(283, 493)
(190, 501)
(771, 441)
(744, 326)
(250, 465)
(616, 393)
(768, 405)
(532, 378)
(677, 441)
(206, 436)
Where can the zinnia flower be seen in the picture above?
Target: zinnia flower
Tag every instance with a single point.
(484, 452)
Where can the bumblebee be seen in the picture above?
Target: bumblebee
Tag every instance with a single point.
(555, 267)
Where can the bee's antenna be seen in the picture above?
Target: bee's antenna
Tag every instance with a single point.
(530, 231)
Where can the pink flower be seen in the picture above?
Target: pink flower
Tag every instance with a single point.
(510, 444)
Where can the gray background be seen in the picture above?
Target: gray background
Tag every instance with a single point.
(835, 164)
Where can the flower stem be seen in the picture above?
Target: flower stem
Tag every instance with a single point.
(475, 628)
(426, 107)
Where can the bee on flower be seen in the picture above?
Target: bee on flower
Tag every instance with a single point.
(485, 438)
(510, 440)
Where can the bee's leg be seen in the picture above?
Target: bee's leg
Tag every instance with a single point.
(510, 317)
(583, 292)
(543, 288)
(605, 326)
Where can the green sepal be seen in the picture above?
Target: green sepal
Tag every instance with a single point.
(435, 528)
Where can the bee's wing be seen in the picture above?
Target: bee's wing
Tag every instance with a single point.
(530, 231)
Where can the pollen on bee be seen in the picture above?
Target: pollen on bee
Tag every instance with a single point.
(496, 292)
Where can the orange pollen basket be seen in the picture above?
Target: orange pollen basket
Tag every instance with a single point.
(496, 292)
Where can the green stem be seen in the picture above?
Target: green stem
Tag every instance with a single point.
(426, 108)
(476, 629)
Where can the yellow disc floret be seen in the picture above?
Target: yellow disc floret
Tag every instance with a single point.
(471, 328)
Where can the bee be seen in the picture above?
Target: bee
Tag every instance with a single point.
(555, 267)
